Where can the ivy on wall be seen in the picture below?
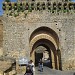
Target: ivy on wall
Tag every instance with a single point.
(21, 7)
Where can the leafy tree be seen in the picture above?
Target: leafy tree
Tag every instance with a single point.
(70, 0)
(7, 0)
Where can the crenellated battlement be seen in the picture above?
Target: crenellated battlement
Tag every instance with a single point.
(13, 8)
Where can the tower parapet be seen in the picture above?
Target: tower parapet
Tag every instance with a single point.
(14, 8)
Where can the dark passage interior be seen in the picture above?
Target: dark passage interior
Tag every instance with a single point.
(43, 53)
(38, 56)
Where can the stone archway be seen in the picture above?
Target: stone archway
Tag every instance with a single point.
(45, 36)
(52, 49)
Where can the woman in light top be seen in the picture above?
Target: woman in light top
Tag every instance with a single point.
(32, 66)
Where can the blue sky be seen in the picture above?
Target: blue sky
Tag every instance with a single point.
(1, 11)
(73, 0)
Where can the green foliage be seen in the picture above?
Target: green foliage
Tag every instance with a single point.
(64, 11)
(30, 9)
(16, 14)
(7, 0)
(10, 14)
(3, 7)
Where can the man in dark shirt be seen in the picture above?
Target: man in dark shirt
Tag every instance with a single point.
(28, 71)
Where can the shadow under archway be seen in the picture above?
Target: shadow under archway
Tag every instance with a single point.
(51, 47)
(44, 54)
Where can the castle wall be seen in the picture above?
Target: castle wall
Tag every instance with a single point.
(17, 32)
(1, 37)
(68, 46)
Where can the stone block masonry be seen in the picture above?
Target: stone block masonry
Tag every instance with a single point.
(17, 32)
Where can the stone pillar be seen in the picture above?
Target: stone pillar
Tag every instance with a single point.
(33, 56)
(58, 62)
(53, 62)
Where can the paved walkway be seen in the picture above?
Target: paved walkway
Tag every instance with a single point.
(48, 71)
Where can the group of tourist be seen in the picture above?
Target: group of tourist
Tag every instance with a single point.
(30, 69)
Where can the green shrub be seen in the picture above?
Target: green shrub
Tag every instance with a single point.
(7, 0)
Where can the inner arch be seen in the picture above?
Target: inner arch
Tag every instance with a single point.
(50, 47)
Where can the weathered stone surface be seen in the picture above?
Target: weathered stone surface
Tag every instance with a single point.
(16, 32)
(1, 37)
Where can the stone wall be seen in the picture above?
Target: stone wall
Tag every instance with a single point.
(1, 37)
(15, 37)
(17, 31)
(68, 47)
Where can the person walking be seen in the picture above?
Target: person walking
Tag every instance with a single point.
(41, 65)
(28, 71)
(32, 66)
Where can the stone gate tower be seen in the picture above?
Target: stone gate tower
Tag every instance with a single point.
(30, 24)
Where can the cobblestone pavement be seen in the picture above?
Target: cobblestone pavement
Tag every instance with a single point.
(48, 71)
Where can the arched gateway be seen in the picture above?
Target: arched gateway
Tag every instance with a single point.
(39, 29)
(44, 44)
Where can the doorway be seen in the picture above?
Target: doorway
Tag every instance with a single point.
(38, 56)
(47, 38)
(43, 52)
